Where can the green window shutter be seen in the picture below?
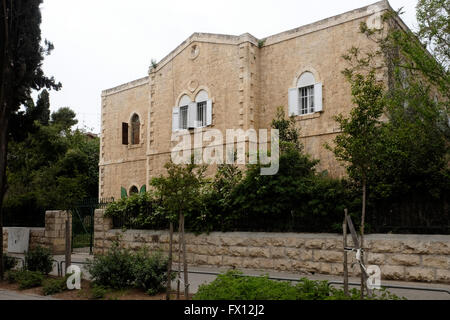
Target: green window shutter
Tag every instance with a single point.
(123, 192)
(143, 189)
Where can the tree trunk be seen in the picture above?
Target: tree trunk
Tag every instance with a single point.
(344, 229)
(169, 267)
(179, 257)
(3, 158)
(363, 221)
(185, 268)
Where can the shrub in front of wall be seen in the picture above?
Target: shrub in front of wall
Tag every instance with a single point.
(234, 286)
(54, 286)
(26, 279)
(113, 269)
(150, 271)
(39, 259)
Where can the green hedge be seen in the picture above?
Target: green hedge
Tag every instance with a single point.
(234, 286)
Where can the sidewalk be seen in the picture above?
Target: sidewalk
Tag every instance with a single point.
(12, 295)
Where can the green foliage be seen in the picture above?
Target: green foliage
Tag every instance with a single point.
(9, 263)
(98, 292)
(54, 286)
(25, 278)
(49, 169)
(181, 190)
(140, 210)
(39, 259)
(121, 268)
(150, 271)
(356, 146)
(234, 286)
(113, 269)
(434, 27)
(64, 118)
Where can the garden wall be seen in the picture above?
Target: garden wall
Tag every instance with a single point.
(52, 236)
(423, 258)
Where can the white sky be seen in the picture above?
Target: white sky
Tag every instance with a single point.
(100, 44)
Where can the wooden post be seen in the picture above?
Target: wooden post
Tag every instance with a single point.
(179, 258)
(344, 227)
(169, 271)
(185, 268)
(68, 246)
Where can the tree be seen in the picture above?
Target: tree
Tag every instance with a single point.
(357, 145)
(21, 56)
(65, 118)
(42, 110)
(433, 17)
(403, 152)
(180, 192)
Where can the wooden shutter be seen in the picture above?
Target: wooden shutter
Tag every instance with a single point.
(318, 98)
(124, 133)
(209, 112)
(192, 115)
(175, 119)
(123, 193)
(293, 102)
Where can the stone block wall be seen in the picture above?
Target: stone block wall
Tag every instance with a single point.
(422, 258)
(52, 236)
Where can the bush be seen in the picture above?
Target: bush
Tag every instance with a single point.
(9, 262)
(234, 286)
(98, 292)
(26, 279)
(120, 269)
(150, 271)
(54, 286)
(113, 269)
(39, 259)
(11, 276)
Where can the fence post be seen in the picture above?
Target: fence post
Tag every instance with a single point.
(344, 227)
(68, 246)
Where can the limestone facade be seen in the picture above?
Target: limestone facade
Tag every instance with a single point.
(246, 79)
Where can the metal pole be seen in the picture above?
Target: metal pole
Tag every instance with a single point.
(68, 245)
(344, 226)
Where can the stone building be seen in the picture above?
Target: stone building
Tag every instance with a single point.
(230, 82)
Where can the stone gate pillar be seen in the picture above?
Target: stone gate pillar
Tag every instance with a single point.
(55, 230)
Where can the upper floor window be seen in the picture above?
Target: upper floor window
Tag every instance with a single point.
(135, 129)
(202, 109)
(190, 115)
(306, 97)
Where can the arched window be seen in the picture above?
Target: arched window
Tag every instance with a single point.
(190, 115)
(184, 104)
(135, 129)
(306, 98)
(134, 190)
(202, 105)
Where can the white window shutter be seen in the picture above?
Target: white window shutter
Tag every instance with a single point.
(192, 115)
(318, 98)
(209, 112)
(293, 102)
(175, 119)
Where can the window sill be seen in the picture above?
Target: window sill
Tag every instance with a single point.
(135, 146)
(309, 116)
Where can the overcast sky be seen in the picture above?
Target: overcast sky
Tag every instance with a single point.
(100, 44)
